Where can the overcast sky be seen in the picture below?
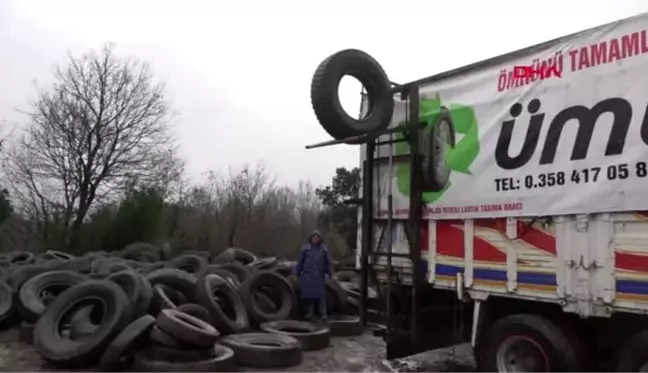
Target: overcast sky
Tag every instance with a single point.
(238, 72)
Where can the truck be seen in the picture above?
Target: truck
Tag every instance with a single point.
(506, 208)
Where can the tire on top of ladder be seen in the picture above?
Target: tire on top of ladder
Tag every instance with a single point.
(326, 100)
(434, 138)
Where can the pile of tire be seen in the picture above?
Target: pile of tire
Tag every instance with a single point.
(142, 308)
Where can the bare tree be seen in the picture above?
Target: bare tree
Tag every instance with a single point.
(102, 123)
(244, 191)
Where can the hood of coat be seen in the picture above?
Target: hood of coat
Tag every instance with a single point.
(315, 233)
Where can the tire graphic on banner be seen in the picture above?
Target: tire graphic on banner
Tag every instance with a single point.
(459, 158)
(434, 166)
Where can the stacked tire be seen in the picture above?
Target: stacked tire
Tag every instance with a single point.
(142, 308)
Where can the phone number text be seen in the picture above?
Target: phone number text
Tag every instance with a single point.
(579, 176)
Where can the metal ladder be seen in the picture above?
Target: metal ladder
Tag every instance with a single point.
(399, 331)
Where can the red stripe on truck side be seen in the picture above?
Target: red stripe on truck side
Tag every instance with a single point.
(450, 242)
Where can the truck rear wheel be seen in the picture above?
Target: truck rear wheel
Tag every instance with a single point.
(527, 343)
(633, 355)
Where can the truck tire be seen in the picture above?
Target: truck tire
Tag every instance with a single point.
(187, 328)
(122, 349)
(229, 276)
(32, 292)
(137, 288)
(542, 344)
(194, 264)
(242, 272)
(221, 360)
(345, 325)
(176, 279)
(435, 171)
(54, 347)
(631, 357)
(176, 354)
(234, 255)
(165, 297)
(160, 338)
(7, 302)
(264, 350)
(326, 101)
(253, 286)
(336, 298)
(313, 336)
(196, 310)
(228, 322)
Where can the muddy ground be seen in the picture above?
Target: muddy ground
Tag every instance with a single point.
(349, 354)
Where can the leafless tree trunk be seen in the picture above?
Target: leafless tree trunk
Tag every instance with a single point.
(102, 124)
(244, 190)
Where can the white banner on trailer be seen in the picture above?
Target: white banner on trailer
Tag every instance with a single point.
(577, 143)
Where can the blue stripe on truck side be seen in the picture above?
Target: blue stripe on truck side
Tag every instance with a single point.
(632, 287)
(498, 275)
(622, 286)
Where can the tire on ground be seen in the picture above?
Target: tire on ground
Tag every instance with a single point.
(160, 338)
(265, 303)
(196, 310)
(345, 325)
(267, 278)
(194, 264)
(212, 286)
(313, 336)
(326, 101)
(21, 257)
(241, 271)
(264, 350)
(221, 360)
(336, 298)
(7, 304)
(165, 297)
(187, 328)
(137, 288)
(81, 324)
(56, 349)
(122, 349)
(32, 303)
(264, 263)
(351, 289)
(284, 268)
(234, 255)
(26, 272)
(176, 354)
(176, 279)
(557, 350)
(346, 276)
(215, 269)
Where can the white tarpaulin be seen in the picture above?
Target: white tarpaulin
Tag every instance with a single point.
(577, 143)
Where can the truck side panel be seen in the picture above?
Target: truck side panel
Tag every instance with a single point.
(579, 242)
(590, 265)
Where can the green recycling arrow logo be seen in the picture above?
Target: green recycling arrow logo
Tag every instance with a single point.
(459, 158)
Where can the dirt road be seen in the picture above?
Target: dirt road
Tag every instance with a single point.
(358, 354)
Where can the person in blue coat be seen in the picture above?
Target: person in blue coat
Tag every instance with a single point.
(313, 268)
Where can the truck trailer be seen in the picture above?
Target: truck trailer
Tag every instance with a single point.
(504, 206)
